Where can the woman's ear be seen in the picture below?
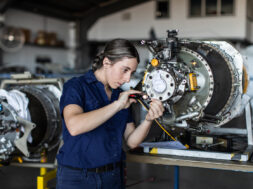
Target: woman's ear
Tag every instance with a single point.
(106, 62)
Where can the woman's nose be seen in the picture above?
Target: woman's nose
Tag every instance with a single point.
(127, 78)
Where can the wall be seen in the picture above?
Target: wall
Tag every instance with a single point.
(143, 19)
(27, 55)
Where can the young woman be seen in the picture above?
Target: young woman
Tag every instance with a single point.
(96, 117)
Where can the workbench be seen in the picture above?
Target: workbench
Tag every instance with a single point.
(176, 161)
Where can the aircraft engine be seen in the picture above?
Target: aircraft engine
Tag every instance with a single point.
(29, 118)
(201, 83)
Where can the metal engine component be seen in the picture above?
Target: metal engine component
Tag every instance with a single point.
(8, 118)
(199, 82)
(160, 84)
(28, 138)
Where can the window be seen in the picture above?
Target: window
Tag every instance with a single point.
(195, 8)
(211, 7)
(202, 8)
(162, 8)
(227, 7)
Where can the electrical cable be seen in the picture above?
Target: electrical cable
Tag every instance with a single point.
(137, 97)
(140, 101)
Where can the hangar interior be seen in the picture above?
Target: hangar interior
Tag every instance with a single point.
(196, 56)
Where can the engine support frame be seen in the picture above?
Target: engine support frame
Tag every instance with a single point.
(245, 156)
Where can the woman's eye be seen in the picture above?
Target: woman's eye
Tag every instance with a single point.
(125, 70)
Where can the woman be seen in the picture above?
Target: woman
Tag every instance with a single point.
(96, 116)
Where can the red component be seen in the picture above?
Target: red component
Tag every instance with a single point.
(132, 96)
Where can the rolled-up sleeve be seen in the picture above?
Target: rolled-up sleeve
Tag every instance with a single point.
(72, 94)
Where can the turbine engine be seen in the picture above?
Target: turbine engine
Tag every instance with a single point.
(201, 83)
(29, 118)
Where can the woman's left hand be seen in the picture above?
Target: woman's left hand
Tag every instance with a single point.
(155, 111)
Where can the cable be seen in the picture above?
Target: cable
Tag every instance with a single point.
(160, 125)
(157, 121)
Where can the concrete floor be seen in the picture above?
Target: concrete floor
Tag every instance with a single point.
(143, 176)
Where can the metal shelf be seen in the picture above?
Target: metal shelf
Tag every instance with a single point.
(46, 46)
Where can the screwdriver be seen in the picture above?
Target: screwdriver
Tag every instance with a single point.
(139, 96)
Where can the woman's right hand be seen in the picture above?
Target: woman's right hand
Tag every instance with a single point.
(124, 101)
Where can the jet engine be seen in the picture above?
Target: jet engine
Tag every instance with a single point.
(29, 118)
(200, 83)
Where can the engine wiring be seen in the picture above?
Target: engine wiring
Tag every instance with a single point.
(138, 98)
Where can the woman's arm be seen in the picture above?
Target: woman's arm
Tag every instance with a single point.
(134, 136)
(79, 122)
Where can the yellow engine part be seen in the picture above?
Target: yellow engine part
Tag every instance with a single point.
(144, 77)
(245, 80)
(193, 81)
(154, 62)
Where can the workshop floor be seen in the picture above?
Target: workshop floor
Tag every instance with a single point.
(143, 176)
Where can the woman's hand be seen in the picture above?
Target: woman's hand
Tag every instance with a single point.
(124, 101)
(155, 111)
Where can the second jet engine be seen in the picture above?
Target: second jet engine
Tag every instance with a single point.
(29, 118)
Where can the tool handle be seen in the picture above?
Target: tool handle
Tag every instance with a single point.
(135, 96)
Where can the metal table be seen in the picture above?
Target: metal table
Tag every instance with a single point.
(188, 162)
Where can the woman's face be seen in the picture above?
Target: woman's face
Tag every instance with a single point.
(120, 72)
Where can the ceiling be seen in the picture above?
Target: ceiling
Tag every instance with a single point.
(69, 9)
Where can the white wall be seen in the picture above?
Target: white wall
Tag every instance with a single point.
(143, 19)
(27, 55)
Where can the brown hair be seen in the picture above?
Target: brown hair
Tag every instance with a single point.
(115, 51)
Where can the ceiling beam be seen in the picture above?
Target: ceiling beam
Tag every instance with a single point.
(109, 7)
(100, 9)
(4, 5)
(43, 9)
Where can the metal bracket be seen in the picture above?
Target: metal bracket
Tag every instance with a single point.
(248, 124)
(21, 143)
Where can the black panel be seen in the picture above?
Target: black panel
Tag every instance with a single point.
(221, 75)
